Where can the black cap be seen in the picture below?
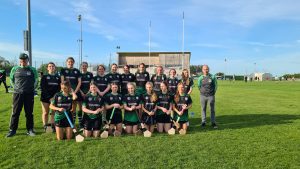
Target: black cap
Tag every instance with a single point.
(23, 56)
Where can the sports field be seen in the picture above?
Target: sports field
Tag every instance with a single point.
(259, 127)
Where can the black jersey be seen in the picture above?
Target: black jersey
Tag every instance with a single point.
(142, 79)
(185, 99)
(164, 100)
(187, 84)
(156, 80)
(148, 104)
(72, 75)
(101, 82)
(112, 99)
(126, 78)
(93, 102)
(50, 84)
(172, 85)
(86, 79)
(62, 101)
(114, 78)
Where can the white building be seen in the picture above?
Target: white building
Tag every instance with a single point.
(261, 76)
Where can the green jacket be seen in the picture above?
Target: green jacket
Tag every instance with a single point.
(207, 85)
(23, 79)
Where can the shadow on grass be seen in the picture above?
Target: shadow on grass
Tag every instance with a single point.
(245, 121)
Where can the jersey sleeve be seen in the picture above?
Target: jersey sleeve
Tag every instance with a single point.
(12, 75)
(54, 100)
(191, 82)
(189, 101)
(84, 103)
(43, 83)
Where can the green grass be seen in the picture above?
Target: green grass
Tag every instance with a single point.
(259, 127)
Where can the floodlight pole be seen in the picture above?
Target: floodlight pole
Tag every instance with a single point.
(29, 33)
(149, 45)
(80, 40)
(182, 41)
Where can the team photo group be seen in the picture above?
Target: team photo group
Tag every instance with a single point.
(111, 103)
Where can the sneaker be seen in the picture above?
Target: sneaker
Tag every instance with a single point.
(31, 133)
(11, 133)
(214, 125)
(203, 124)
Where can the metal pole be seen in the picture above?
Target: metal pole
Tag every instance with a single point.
(149, 45)
(80, 20)
(182, 40)
(29, 32)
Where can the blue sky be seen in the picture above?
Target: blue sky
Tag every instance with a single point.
(244, 32)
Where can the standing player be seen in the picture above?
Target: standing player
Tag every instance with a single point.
(86, 78)
(158, 78)
(164, 109)
(149, 107)
(132, 104)
(3, 79)
(62, 102)
(207, 84)
(74, 76)
(93, 105)
(50, 85)
(187, 81)
(101, 81)
(182, 102)
(24, 80)
(172, 82)
(126, 77)
(114, 76)
(114, 100)
(142, 77)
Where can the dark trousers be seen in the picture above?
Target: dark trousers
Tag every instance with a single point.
(4, 82)
(20, 100)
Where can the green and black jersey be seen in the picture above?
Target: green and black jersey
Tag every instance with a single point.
(72, 75)
(86, 79)
(62, 101)
(184, 99)
(141, 79)
(188, 84)
(50, 84)
(156, 80)
(207, 85)
(24, 79)
(93, 102)
(172, 85)
(131, 100)
(148, 104)
(163, 100)
(101, 82)
(126, 78)
(112, 99)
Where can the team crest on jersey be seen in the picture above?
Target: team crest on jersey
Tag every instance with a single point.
(137, 97)
(59, 98)
(138, 75)
(146, 97)
(88, 76)
(170, 81)
(130, 77)
(28, 73)
(111, 98)
(146, 75)
(209, 81)
(120, 98)
(67, 71)
(122, 77)
(57, 78)
(90, 99)
(128, 98)
(186, 98)
(105, 79)
(98, 78)
(117, 76)
(75, 72)
(160, 97)
(69, 98)
(155, 78)
(48, 77)
(110, 76)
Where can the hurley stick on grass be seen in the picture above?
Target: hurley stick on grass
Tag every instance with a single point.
(78, 137)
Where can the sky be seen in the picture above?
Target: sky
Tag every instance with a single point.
(256, 35)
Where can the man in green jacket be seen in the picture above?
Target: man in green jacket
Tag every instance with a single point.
(24, 80)
(207, 84)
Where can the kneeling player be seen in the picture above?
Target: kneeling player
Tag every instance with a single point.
(182, 102)
(132, 104)
(92, 107)
(62, 102)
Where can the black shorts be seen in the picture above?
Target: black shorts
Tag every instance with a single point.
(46, 97)
(163, 118)
(182, 122)
(149, 120)
(129, 123)
(63, 123)
(116, 119)
(92, 124)
(79, 97)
